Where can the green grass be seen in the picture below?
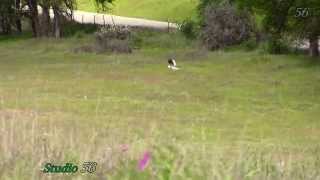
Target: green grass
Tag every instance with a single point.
(224, 115)
(172, 10)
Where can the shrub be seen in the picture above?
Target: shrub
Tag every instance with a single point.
(277, 46)
(250, 44)
(189, 29)
(72, 28)
(224, 26)
(113, 39)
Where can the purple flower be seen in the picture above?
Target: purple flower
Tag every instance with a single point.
(144, 161)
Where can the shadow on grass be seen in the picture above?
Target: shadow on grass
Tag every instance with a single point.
(15, 37)
(72, 28)
(69, 29)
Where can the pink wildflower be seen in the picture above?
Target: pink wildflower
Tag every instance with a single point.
(124, 147)
(144, 161)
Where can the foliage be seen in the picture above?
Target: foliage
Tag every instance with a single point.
(203, 4)
(7, 15)
(72, 28)
(304, 23)
(102, 5)
(11, 13)
(295, 18)
(224, 26)
(190, 28)
(278, 45)
(281, 18)
(250, 44)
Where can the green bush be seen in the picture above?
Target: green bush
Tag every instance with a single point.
(72, 28)
(189, 28)
(277, 46)
(250, 44)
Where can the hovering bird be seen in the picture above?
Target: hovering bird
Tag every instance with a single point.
(172, 64)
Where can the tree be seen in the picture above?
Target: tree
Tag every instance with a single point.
(6, 15)
(224, 25)
(34, 17)
(18, 15)
(63, 9)
(45, 20)
(305, 23)
(275, 15)
(282, 17)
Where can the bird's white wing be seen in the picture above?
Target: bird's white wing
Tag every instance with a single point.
(174, 63)
(175, 68)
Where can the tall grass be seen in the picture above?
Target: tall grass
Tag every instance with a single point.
(27, 143)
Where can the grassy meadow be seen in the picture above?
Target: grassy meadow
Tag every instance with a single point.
(229, 114)
(164, 10)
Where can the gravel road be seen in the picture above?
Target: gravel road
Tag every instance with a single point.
(97, 18)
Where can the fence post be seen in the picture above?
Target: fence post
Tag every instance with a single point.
(104, 21)
(82, 19)
(168, 26)
(94, 19)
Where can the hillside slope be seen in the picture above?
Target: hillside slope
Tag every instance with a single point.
(172, 10)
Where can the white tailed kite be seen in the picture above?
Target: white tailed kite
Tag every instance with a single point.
(172, 64)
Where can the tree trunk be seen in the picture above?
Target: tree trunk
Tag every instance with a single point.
(46, 25)
(18, 17)
(33, 6)
(314, 46)
(5, 25)
(275, 44)
(56, 20)
(19, 25)
(2, 23)
(8, 26)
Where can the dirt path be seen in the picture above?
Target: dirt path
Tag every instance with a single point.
(97, 18)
